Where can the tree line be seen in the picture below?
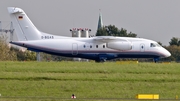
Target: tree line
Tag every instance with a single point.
(112, 30)
(8, 53)
(174, 49)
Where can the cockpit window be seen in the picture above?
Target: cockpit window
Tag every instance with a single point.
(158, 45)
(155, 45)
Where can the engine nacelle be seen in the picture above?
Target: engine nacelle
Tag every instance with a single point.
(120, 45)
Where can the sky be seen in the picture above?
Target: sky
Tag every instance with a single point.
(158, 20)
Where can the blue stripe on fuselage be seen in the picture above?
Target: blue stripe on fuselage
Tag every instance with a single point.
(94, 55)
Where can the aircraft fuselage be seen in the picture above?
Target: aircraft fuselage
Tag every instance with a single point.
(89, 48)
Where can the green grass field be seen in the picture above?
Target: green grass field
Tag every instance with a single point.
(87, 80)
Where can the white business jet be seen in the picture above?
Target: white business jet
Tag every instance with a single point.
(99, 48)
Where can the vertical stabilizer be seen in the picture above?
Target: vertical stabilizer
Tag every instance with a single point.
(24, 28)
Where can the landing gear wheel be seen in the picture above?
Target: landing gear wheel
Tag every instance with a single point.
(156, 60)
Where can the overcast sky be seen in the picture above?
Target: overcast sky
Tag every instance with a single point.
(158, 20)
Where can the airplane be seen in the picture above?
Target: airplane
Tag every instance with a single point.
(98, 48)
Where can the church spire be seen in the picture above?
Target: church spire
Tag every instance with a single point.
(100, 22)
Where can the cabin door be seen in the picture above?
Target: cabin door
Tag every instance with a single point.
(74, 49)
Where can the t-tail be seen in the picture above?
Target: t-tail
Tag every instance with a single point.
(23, 26)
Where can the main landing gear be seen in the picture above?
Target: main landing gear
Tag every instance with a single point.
(101, 58)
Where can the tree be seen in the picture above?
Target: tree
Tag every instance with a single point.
(49, 57)
(174, 41)
(132, 35)
(112, 30)
(175, 53)
(24, 55)
(6, 53)
(174, 49)
(160, 43)
(102, 32)
(122, 32)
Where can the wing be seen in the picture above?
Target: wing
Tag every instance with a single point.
(117, 43)
(108, 39)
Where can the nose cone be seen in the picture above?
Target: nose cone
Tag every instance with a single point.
(166, 53)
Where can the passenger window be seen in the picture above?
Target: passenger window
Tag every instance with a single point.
(96, 46)
(103, 46)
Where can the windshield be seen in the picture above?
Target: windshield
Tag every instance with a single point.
(155, 45)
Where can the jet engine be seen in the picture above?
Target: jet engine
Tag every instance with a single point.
(120, 45)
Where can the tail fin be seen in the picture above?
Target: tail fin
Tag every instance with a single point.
(23, 26)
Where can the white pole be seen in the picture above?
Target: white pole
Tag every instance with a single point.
(38, 57)
(0, 27)
(11, 32)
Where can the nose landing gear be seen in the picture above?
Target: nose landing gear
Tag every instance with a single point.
(156, 60)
